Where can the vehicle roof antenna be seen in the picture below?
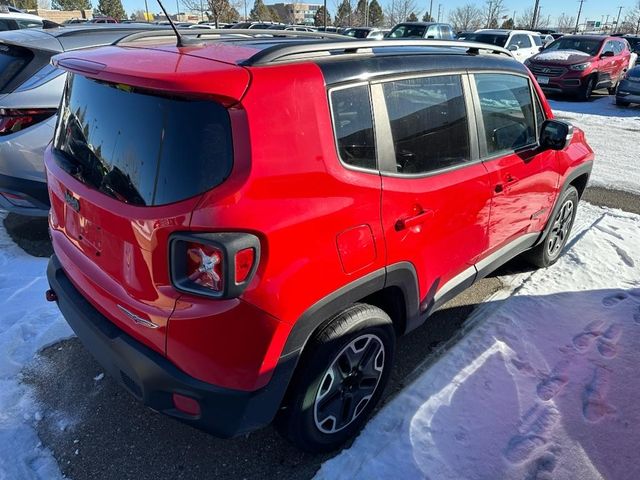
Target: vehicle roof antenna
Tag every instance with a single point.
(181, 41)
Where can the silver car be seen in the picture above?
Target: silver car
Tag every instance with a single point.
(30, 92)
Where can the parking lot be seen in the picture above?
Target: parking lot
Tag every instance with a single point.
(97, 430)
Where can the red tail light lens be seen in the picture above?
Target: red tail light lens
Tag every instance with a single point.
(14, 120)
(244, 263)
(219, 265)
(204, 266)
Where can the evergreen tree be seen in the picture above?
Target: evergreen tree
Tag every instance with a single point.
(376, 17)
(318, 19)
(25, 4)
(427, 18)
(360, 13)
(274, 15)
(343, 17)
(508, 24)
(112, 8)
(412, 17)
(71, 4)
(259, 12)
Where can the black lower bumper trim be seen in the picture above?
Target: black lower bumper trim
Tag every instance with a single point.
(153, 379)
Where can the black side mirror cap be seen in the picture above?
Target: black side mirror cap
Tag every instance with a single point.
(555, 135)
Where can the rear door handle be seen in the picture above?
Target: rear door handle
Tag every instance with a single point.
(413, 220)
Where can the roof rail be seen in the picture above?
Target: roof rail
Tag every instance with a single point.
(283, 52)
(228, 34)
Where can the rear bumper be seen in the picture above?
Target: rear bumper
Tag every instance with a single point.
(153, 379)
(25, 197)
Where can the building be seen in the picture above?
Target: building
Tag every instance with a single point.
(297, 13)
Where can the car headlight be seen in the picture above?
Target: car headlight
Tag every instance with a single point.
(581, 66)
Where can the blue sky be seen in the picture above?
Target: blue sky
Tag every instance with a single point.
(592, 9)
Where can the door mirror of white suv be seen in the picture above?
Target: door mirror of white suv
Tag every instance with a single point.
(513, 48)
(555, 135)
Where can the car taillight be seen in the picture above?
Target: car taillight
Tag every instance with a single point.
(219, 265)
(13, 120)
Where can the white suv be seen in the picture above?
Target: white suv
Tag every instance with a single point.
(522, 43)
(11, 20)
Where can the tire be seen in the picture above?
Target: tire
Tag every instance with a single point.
(621, 103)
(587, 89)
(549, 250)
(356, 347)
(613, 89)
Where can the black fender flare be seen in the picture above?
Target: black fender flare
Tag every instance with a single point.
(580, 170)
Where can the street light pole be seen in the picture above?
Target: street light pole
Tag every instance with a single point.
(489, 17)
(439, 10)
(618, 20)
(578, 18)
(325, 15)
(431, 11)
(534, 20)
(146, 7)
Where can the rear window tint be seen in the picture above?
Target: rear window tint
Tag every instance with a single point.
(141, 148)
(353, 123)
(12, 61)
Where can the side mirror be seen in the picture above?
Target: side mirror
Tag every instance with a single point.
(513, 48)
(608, 53)
(541, 48)
(555, 135)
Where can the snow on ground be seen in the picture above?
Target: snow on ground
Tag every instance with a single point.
(545, 386)
(614, 134)
(27, 324)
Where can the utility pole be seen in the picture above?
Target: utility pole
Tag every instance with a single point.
(146, 7)
(534, 20)
(579, 13)
(618, 20)
(490, 14)
(325, 15)
(606, 22)
(245, 11)
(201, 11)
(439, 10)
(431, 11)
(638, 26)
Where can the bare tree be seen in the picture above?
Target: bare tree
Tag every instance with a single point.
(631, 22)
(216, 10)
(398, 10)
(525, 20)
(565, 23)
(465, 18)
(493, 12)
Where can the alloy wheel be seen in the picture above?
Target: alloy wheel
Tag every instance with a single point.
(560, 229)
(349, 383)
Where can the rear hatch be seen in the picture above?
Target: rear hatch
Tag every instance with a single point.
(141, 135)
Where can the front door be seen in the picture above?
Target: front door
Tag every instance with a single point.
(522, 176)
(435, 192)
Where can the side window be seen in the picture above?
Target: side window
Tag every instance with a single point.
(507, 112)
(353, 124)
(432, 32)
(540, 115)
(428, 121)
(444, 32)
(28, 23)
(537, 39)
(522, 41)
(608, 47)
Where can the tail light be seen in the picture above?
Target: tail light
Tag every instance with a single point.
(13, 120)
(219, 265)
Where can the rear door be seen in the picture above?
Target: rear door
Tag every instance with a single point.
(435, 192)
(522, 176)
(607, 66)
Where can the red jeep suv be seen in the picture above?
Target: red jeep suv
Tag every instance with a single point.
(580, 64)
(231, 263)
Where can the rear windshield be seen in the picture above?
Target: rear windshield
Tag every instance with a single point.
(490, 38)
(408, 31)
(141, 148)
(12, 61)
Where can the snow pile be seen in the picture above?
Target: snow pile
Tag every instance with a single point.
(613, 133)
(27, 324)
(544, 387)
(555, 55)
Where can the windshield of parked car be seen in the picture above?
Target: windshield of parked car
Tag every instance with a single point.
(141, 148)
(408, 31)
(357, 33)
(499, 40)
(590, 46)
